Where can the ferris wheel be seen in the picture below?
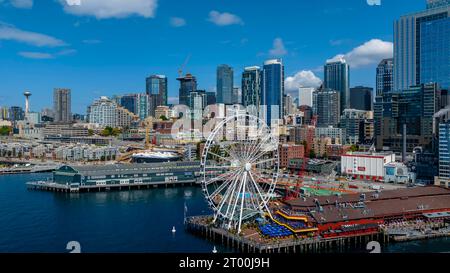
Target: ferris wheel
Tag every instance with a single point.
(240, 167)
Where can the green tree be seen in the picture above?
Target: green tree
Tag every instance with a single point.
(354, 148)
(108, 131)
(90, 132)
(5, 130)
(312, 154)
(116, 132)
(163, 117)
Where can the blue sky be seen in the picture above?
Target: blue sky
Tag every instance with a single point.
(103, 49)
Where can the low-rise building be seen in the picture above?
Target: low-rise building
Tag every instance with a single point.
(290, 151)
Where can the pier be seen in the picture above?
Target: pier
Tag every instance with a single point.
(197, 226)
(55, 187)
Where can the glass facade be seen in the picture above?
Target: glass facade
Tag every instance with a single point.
(273, 90)
(411, 33)
(435, 52)
(188, 84)
(444, 151)
(414, 107)
(337, 77)
(251, 88)
(385, 73)
(361, 98)
(156, 89)
(225, 84)
(129, 102)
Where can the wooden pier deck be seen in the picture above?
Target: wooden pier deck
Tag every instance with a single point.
(243, 244)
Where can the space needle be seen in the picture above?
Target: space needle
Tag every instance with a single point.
(27, 95)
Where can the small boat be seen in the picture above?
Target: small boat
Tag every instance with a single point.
(214, 250)
(174, 230)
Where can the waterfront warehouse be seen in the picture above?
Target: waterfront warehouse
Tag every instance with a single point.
(86, 177)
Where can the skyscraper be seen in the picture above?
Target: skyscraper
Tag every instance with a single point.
(385, 72)
(156, 89)
(421, 46)
(326, 107)
(361, 98)
(251, 89)
(225, 84)
(305, 95)
(414, 107)
(444, 154)
(273, 90)
(337, 77)
(62, 103)
(129, 102)
(188, 84)
(16, 113)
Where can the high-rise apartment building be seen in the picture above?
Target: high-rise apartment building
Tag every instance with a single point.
(337, 77)
(251, 88)
(326, 107)
(62, 105)
(106, 113)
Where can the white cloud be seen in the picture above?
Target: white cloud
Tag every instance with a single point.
(22, 4)
(8, 32)
(278, 48)
(224, 19)
(36, 55)
(46, 55)
(177, 22)
(304, 78)
(102, 9)
(370, 52)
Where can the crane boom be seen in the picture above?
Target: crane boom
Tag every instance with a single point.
(180, 70)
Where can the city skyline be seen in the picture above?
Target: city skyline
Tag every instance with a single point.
(86, 45)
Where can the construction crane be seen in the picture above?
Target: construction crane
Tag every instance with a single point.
(148, 123)
(181, 69)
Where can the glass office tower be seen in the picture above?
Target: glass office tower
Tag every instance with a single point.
(337, 77)
(273, 90)
(421, 44)
(225, 85)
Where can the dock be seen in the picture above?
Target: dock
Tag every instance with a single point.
(56, 187)
(196, 225)
(28, 169)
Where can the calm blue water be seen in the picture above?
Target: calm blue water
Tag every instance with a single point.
(127, 221)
